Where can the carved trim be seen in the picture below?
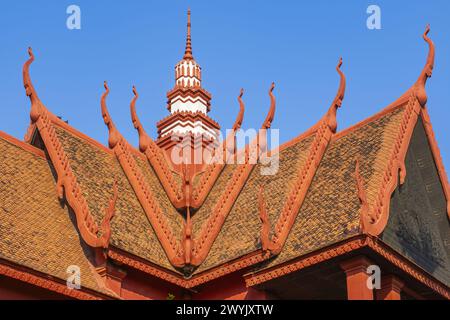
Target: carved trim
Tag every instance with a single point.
(151, 208)
(207, 276)
(48, 284)
(304, 261)
(67, 184)
(246, 261)
(340, 249)
(376, 219)
(213, 169)
(138, 264)
(156, 158)
(109, 214)
(307, 171)
(402, 263)
(214, 224)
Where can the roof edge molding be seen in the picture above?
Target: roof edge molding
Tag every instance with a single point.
(122, 151)
(156, 158)
(376, 216)
(213, 224)
(213, 169)
(67, 186)
(326, 128)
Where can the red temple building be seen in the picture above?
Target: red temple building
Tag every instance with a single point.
(134, 223)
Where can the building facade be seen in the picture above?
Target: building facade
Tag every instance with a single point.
(361, 213)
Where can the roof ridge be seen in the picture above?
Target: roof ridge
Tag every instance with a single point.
(66, 181)
(121, 147)
(156, 158)
(212, 170)
(375, 217)
(214, 223)
(306, 171)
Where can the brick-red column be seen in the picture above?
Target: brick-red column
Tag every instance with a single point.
(356, 273)
(391, 288)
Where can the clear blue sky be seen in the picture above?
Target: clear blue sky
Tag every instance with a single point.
(238, 44)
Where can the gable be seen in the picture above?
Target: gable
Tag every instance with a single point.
(418, 225)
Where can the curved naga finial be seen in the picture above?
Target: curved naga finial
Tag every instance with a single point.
(240, 117)
(143, 137)
(29, 88)
(337, 102)
(113, 133)
(427, 70)
(270, 115)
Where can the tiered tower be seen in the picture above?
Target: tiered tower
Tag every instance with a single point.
(188, 103)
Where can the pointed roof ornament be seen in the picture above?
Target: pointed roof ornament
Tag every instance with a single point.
(427, 70)
(29, 88)
(337, 102)
(113, 133)
(188, 51)
(143, 137)
(270, 115)
(240, 117)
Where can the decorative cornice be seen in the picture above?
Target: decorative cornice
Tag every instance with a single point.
(144, 266)
(340, 249)
(30, 277)
(410, 268)
(302, 262)
(186, 115)
(241, 263)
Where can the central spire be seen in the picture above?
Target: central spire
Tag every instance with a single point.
(188, 51)
(189, 104)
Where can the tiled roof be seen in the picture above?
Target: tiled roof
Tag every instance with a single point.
(240, 233)
(331, 210)
(96, 170)
(319, 195)
(36, 230)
